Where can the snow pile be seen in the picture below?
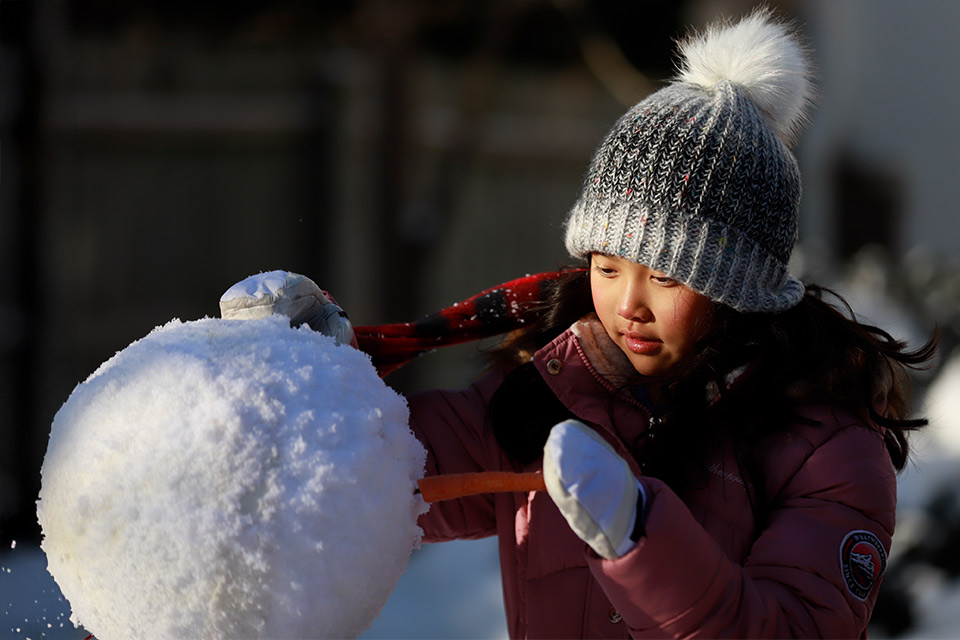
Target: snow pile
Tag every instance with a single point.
(230, 479)
(943, 407)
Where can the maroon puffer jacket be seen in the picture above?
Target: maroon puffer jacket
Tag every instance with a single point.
(701, 570)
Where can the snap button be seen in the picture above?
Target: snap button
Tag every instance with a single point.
(614, 615)
(554, 366)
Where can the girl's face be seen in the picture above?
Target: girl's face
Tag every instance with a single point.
(654, 319)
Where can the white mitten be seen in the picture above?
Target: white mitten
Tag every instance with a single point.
(594, 489)
(295, 296)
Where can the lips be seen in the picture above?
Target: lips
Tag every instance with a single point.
(641, 344)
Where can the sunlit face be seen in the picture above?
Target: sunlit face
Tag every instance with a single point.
(651, 317)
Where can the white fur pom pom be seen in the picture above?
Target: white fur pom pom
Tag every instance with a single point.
(764, 58)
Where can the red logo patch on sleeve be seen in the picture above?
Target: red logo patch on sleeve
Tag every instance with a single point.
(862, 562)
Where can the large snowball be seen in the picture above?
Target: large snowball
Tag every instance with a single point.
(230, 479)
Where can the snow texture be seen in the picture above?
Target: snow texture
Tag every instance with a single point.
(230, 479)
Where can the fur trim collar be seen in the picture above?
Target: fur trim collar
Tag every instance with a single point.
(612, 364)
(604, 355)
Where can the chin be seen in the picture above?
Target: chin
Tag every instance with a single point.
(650, 370)
(650, 367)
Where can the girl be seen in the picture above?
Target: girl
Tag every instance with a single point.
(723, 440)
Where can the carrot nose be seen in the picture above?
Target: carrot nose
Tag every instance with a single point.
(461, 485)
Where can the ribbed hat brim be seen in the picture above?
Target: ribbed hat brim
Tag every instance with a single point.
(704, 254)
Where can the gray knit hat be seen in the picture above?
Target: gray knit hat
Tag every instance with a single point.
(697, 180)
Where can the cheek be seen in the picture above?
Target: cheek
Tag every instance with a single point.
(604, 302)
(689, 312)
(596, 293)
(605, 297)
(597, 301)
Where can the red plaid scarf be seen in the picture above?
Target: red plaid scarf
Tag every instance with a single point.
(506, 307)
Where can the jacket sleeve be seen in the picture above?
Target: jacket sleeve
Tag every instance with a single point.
(801, 577)
(452, 427)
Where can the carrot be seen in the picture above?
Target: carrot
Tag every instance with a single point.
(460, 485)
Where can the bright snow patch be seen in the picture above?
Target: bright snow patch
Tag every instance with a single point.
(230, 479)
(943, 406)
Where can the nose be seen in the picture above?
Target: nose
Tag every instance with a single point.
(633, 304)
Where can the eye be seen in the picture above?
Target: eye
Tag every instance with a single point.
(664, 280)
(605, 271)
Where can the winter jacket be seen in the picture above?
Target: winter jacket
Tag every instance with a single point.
(702, 569)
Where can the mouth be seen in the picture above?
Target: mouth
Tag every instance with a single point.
(639, 343)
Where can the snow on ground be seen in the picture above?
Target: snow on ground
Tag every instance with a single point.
(31, 605)
(450, 590)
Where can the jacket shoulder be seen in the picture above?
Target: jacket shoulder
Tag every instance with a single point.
(829, 454)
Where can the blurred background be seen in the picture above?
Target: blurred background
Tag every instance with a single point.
(406, 154)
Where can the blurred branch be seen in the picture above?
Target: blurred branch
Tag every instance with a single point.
(406, 231)
(478, 88)
(604, 57)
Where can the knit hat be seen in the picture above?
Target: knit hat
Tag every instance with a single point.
(697, 180)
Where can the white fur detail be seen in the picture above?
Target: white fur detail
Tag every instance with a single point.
(764, 58)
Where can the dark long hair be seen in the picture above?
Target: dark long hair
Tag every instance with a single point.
(813, 352)
(524, 409)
